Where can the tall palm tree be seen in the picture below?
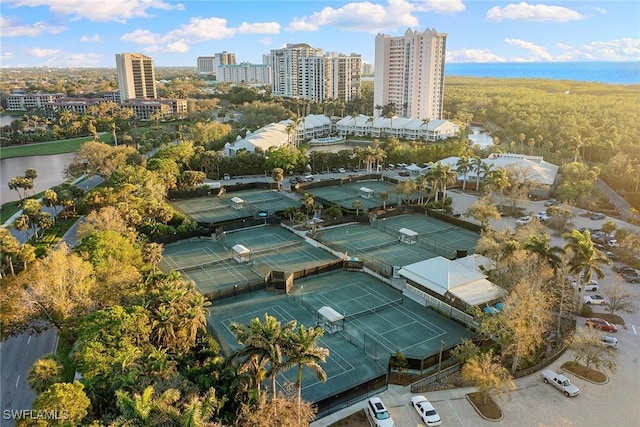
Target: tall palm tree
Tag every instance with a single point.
(303, 350)
(357, 205)
(585, 259)
(541, 245)
(44, 373)
(476, 166)
(146, 409)
(441, 176)
(462, 167)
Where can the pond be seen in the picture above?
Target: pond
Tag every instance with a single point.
(50, 172)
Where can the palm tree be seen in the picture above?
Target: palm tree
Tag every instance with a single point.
(357, 205)
(308, 203)
(584, 259)
(384, 196)
(541, 245)
(477, 165)
(278, 176)
(462, 167)
(145, 409)
(303, 351)
(44, 373)
(441, 176)
(200, 409)
(425, 122)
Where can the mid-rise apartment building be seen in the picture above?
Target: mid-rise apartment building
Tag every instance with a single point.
(302, 71)
(136, 76)
(244, 73)
(206, 65)
(409, 73)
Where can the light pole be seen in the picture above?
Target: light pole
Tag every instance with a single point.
(302, 293)
(442, 344)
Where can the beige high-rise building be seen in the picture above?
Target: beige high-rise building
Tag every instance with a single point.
(136, 76)
(301, 71)
(409, 73)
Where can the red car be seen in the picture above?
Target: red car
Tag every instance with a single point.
(603, 325)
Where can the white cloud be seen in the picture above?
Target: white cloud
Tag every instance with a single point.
(624, 49)
(5, 56)
(201, 29)
(100, 11)
(473, 55)
(141, 37)
(360, 16)
(42, 53)
(266, 41)
(527, 12)
(439, 6)
(537, 53)
(93, 38)
(259, 28)
(15, 29)
(177, 47)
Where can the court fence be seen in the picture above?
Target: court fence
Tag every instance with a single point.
(370, 387)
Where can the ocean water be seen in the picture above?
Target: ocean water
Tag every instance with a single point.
(623, 73)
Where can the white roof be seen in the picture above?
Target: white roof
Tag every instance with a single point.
(366, 190)
(407, 232)
(476, 262)
(237, 200)
(314, 120)
(272, 135)
(240, 249)
(451, 161)
(537, 170)
(414, 167)
(330, 314)
(441, 275)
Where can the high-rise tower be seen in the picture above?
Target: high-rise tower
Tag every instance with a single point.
(136, 76)
(409, 73)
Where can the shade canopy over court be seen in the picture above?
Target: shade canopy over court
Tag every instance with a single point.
(241, 253)
(237, 203)
(366, 193)
(330, 319)
(407, 236)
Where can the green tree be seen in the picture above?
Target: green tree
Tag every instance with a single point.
(585, 259)
(463, 166)
(589, 349)
(619, 299)
(483, 210)
(303, 351)
(45, 372)
(278, 176)
(486, 372)
(68, 400)
(384, 196)
(357, 205)
(146, 409)
(9, 248)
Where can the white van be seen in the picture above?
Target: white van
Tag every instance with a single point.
(378, 414)
(308, 178)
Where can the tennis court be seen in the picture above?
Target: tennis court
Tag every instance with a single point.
(361, 351)
(212, 209)
(347, 193)
(209, 264)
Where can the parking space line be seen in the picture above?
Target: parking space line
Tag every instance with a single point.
(634, 330)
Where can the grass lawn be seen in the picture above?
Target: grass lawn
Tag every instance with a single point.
(45, 148)
(52, 236)
(10, 208)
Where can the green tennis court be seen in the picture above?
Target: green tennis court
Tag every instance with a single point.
(362, 349)
(347, 193)
(212, 209)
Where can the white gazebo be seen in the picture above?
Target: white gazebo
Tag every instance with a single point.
(237, 203)
(407, 236)
(366, 193)
(330, 319)
(241, 253)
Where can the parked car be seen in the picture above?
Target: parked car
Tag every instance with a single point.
(551, 202)
(631, 277)
(523, 220)
(560, 382)
(226, 177)
(341, 170)
(293, 180)
(601, 324)
(597, 216)
(404, 173)
(625, 269)
(426, 411)
(593, 285)
(542, 216)
(612, 243)
(609, 341)
(378, 413)
(595, 299)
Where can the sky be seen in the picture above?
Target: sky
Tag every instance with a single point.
(88, 33)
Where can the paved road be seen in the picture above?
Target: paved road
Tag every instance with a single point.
(17, 355)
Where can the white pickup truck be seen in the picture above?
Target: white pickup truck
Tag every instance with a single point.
(560, 382)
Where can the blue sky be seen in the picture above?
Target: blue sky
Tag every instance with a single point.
(88, 33)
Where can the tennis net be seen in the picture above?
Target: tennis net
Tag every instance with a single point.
(277, 249)
(188, 268)
(376, 309)
(270, 199)
(209, 209)
(439, 231)
(378, 246)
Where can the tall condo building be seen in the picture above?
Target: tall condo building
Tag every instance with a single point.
(225, 58)
(409, 72)
(136, 76)
(301, 71)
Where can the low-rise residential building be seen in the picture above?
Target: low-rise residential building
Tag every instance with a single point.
(400, 127)
(144, 109)
(31, 101)
(76, 105)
